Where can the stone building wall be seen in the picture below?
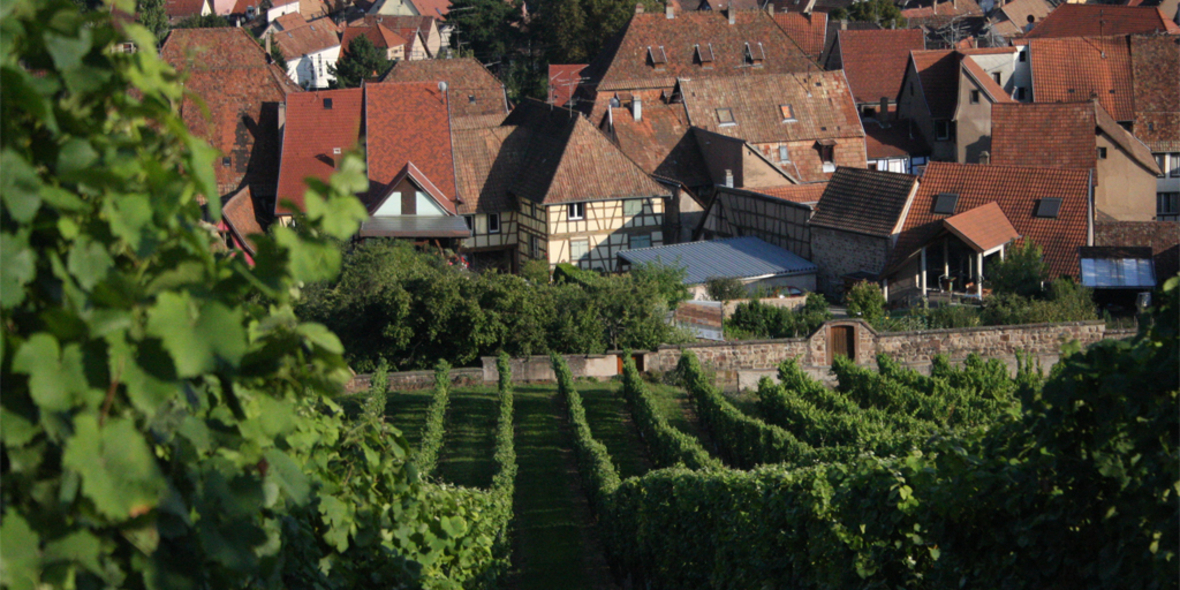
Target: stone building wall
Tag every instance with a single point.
(838, 253)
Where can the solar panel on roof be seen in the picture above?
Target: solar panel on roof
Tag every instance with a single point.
(944, 203)
(1049, 207)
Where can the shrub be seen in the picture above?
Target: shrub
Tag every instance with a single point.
(725, 289)
(668, 445)
(1021, 272)
(761, 320)
(1065, 301)
(535, 271)
(866, 301)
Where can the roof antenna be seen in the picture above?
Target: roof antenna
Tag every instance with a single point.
(1101, 22)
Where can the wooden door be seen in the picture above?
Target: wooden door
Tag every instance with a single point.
(841, 341)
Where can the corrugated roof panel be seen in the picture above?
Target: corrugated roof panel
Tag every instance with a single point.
(739, 258)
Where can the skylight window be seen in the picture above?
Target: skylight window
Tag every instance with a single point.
(658, 58)
(787, 112)
(755, 54)
(1049, 208)
(705, 55)
(327, 103)
(944, 203)
(725, 117)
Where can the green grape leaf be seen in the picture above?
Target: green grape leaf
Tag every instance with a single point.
(88, 262)
(76, 155)
(17, 268)
(196, 337)
(287, 474)
(19, 186)
(80, 547)
(119, 471)
(55, 376)
(15, 428)
(18, 544)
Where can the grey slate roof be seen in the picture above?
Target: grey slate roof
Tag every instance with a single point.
(863, 201)
(738, 258)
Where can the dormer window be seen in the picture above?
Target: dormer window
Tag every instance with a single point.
(659, 60)
(705, 55)
(755, 54)
(1049, 208)
(787, 112)
(725, 118)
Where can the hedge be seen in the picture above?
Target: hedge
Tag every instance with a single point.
(668, 445)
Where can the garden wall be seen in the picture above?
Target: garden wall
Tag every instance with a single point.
(743, 363)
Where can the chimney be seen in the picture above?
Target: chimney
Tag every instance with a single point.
(638, 9)
(770, 8)
(884, 114)
(668, 11)
(955, 5)
(268, 58)
(336, 158)
(282, 117)
(728, 178)
(843, 24)
(985, 158)
(637, 109)
(730, 14)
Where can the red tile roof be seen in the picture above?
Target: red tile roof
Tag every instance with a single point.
(569, 160)
(796, 193)
(436, 9)
(381, 37)
(229, 71)
(408, 123)
(1079, 68)
(182, 9)
(288, 21)
(899, 140)
(625, 64)
(938, 74)
(1010, 19)
(237, 215)
(864, 201)
(1063, 133)
(488, 160)
(983, 228)
(315, 36)
(947, 8)
(473, 89)
(808, 31)
(1155, 62)
(821, 102)
(1090, 20)
(563, 80)
(875, 61)
(311, 137)
(660, 142)
(1017, 191)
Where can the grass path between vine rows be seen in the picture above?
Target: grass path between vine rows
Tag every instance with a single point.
(406, 411)
(610, 422)
(676, 406)
(469, 444)
(555, 544)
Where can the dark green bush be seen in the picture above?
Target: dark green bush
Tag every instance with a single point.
(760, 320)
(668, 445)
(725, 289)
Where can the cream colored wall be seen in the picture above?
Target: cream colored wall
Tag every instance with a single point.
(1126, 190)
(481, 238)
(606, 228)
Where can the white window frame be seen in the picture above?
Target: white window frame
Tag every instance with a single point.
(585, 253)
(576, 211)
(784, 154)
(493, 223)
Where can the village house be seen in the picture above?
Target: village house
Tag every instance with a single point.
(391, 43)
(856, 224)
(1080, 135)
(874, 61)
(428, 46)
(476, 92)
(949, 94)
(579, 198)
(893, 145)
(178, 10)
(964, 216)
(806, 124)
(1155, 62)
(1096, 20)
(1013, 19)
(310, 49)
(243, 93)
(808, 31)
(644, 61)
(776, 215)
(435, 9)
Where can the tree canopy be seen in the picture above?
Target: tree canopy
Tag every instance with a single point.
(362, 61)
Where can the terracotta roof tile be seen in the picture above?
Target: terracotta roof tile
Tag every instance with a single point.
(487, 160)
(564, 79)
(1073, 69)
(834, 28)
(381, 37)
(864, 201)
(808, 31)
(408, 123)
(900, 139)
(983, 228)
(1017, 191)
(660, 142)
(624, 64)
(292, 20)
(875, 61)
(938, 72)
(239, 218)
(1089, 20)
(946, 8)
(472, 88)
(316, 35)
(436, 9)
(569, 160)
(1156, 72)
(1063, 133)
(810, 192)
(182, 9)
(821, 105)
(1010, 19)
(228, 71)
(311, 137)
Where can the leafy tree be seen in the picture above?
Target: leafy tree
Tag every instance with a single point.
(202, 21)
(561, 26)
(536, 271)
(1022, 271)
(883, 12)
(490, 28)
(667, 280)
(164, 414)
(867, 302)
(151, 14)
(363, 61)
(725, 289)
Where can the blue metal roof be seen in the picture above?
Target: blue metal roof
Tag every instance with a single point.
(738, 258)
